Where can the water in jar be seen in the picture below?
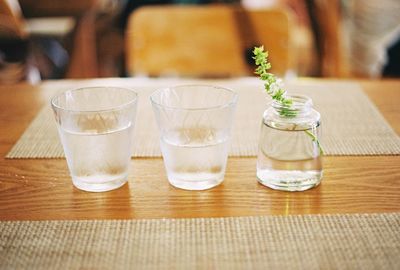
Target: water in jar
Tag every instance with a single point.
(289, 158)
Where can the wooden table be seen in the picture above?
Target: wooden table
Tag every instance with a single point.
(41, 189)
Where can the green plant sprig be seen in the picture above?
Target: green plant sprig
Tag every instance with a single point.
(271, 84)
(273, 87)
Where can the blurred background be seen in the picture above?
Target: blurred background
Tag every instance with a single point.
(57, 39)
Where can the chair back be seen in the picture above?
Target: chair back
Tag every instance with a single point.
(202, 41)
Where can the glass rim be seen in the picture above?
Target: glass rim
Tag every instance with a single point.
(299, 101)
(231, 102)
(115, 108)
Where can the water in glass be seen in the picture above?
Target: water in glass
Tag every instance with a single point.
(195, 126)
(98, 161)
(95, 125)
(195, 158)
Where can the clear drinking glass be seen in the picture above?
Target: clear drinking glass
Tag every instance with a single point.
(95, 126)
(195, 125)
(289, 156)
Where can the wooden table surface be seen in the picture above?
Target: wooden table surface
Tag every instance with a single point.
(41, 189)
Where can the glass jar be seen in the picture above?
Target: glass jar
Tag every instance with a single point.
(289, 155)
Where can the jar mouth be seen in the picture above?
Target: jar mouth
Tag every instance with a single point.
(300, 105)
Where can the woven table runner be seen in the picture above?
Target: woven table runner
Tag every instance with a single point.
(351, 124)
(357, 241)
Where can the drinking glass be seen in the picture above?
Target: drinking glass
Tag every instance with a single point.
(95, 125)
(195, 127)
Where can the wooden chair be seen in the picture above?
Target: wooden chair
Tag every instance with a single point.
(203, 41)
(328, 31)
(11, 20)
(13, 43)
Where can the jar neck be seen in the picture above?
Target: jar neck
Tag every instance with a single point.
(301, 106)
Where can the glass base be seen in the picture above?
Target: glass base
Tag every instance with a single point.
(195, 185)
(195, 180)
(289, 180)
(106, 184)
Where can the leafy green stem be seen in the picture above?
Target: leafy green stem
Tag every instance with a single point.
(315, 139)
(274, 88)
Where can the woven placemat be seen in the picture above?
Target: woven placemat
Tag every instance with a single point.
(357, 241)
(351, 124)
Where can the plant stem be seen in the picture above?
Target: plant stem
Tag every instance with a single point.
(273, 87)
(315, 139)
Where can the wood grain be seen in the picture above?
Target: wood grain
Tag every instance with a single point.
(41, 189)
